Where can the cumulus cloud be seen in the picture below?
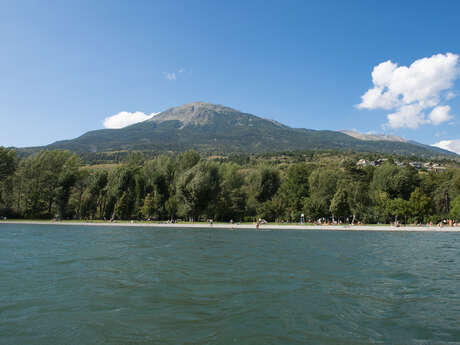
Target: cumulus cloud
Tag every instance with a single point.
(440, 114)
(451, 145)
(406, 116)
(412, 91)
(125, 118)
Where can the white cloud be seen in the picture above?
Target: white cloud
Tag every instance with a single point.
(406, 116)
(174, 75)
(171, 76)
(440, 114)
(410, 91)
(125, 118)
(451, 145)
(450, 95)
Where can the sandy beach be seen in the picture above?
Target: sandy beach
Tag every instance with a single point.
(243, 226)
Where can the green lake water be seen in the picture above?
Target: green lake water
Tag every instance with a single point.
(127, 285)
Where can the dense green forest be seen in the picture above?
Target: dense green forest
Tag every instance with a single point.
(187, 186)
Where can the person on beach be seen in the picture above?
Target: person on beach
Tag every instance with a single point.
(257, 224)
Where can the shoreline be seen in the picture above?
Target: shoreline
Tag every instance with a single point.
(244, 226)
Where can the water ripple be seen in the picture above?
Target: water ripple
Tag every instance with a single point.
(115, 285)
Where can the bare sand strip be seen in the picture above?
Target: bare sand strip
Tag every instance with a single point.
(245, 226)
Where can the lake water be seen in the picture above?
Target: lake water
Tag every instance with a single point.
(116, 285)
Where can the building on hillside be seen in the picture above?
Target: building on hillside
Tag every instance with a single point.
(434, 167)
(362, 163)
(439, 168)
(379, 162)
(416, 165)
(429, 166)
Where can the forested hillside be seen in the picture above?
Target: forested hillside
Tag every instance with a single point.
(55, 184)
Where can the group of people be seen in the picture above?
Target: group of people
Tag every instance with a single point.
(442, 223)
(259, 221)
(445, 222)
(325, 221)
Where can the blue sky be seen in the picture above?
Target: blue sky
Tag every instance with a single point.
(65, 66)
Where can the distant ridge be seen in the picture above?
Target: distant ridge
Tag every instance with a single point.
(216, 128)
(374, 137)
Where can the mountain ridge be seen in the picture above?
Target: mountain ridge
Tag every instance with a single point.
(210, 127)
(374, 137)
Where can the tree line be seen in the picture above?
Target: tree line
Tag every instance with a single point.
(56, 184)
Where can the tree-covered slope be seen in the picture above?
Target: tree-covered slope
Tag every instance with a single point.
(213, 128)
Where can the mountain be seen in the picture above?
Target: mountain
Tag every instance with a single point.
(214, 128)
(374, 137)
